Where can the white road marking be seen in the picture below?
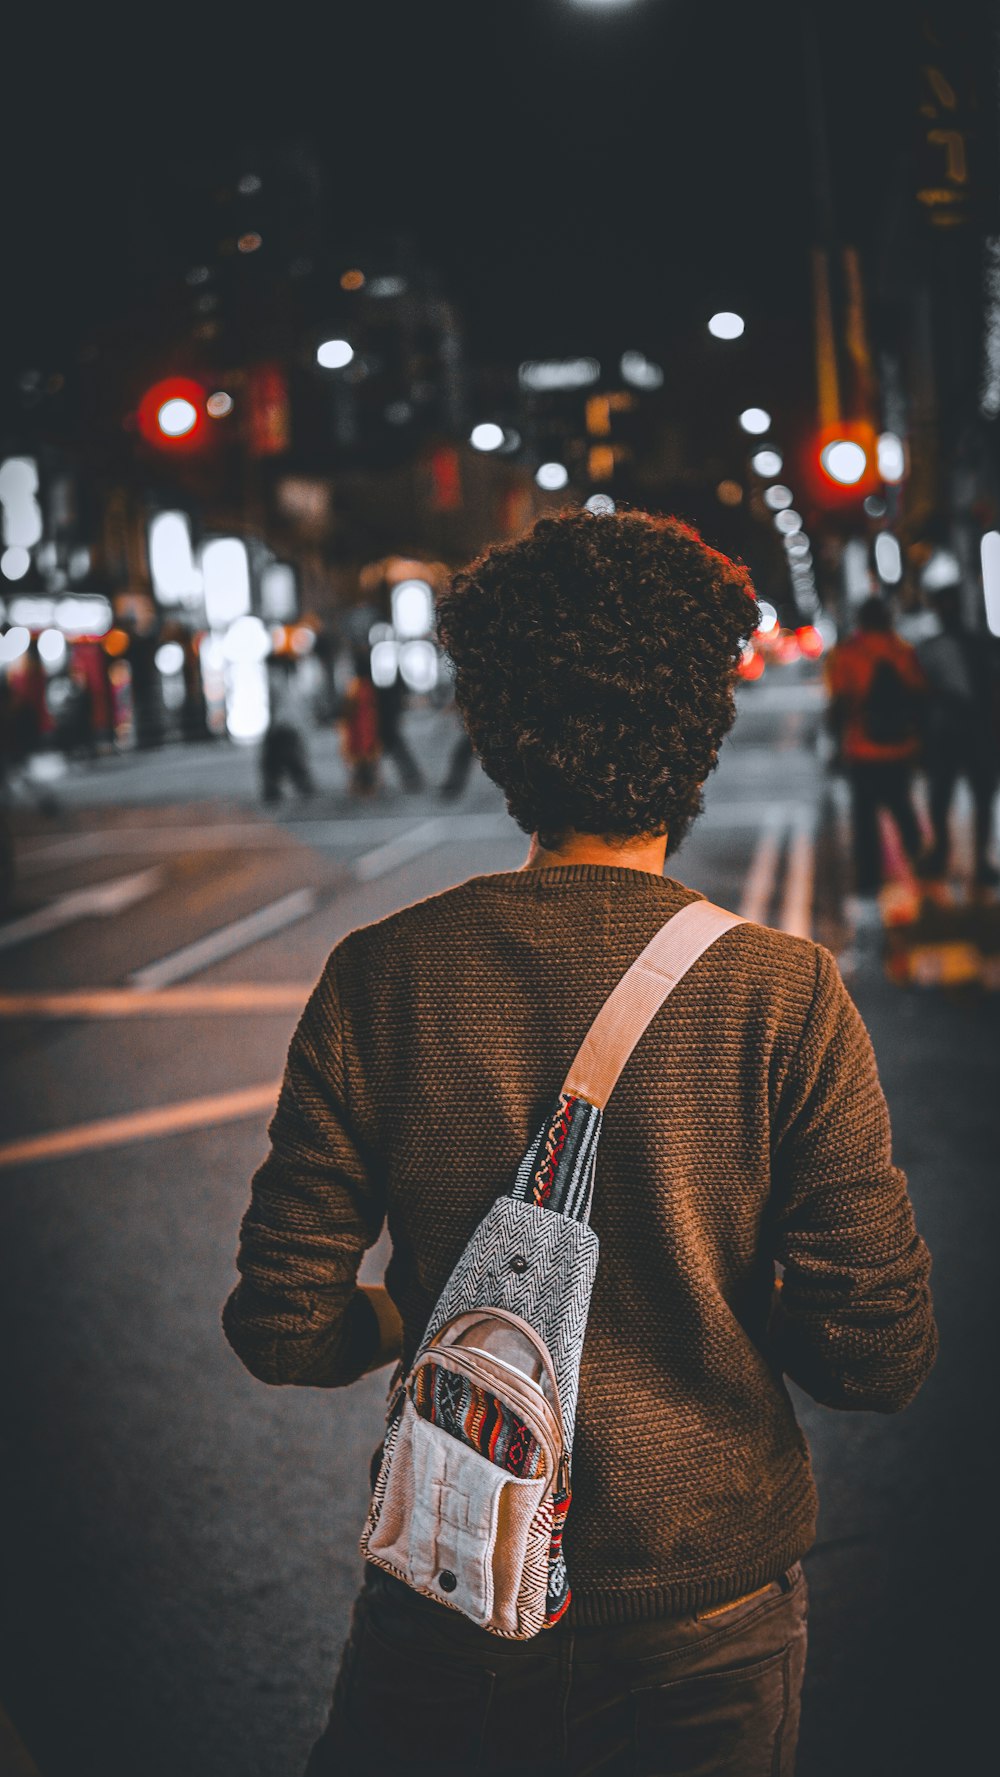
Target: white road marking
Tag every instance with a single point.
(116, 1132)
(395, 852)
(227, 940)
(763, 872)
(167, 1002)
(99, 900)
(800, 870)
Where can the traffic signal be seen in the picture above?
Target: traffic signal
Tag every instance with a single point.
(172, 415)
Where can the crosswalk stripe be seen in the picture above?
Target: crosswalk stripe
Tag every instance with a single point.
(117, 1132)
(166, 1002)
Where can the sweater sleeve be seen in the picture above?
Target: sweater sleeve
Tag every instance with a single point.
(316, 1205)
(853, 1323)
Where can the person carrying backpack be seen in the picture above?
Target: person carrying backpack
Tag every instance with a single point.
(876, 686)
(592, 1501)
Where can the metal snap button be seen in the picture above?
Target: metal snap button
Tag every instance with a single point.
(518, 1262)
(447, 1580)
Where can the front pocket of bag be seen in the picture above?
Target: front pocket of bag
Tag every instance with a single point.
(443, 1507)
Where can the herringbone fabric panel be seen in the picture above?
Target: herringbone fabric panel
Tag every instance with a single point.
(552, 1293)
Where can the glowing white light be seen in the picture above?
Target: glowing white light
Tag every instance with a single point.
(22, 514)
(640, 371)
(888, 559)
(220, 404)
(14, 643)
(176, 580)
(600, 504)
(247, 706)
(169, 658)
(777, 497)
(941, 570)
(844, 461)
(386, 286)
(177, 417)
(14, 563)
(755, 420)
(797, 543)
(34, 613)
(891, 458)
(278, 592)
(726, 325)
(767, 462)
(541, 374)
(768, 617)
(486, 436)
(249, 183)
(552, 476)
(384, 662)
(52, 647)
(84, 615)
(989, 555)
(788, 522)
(412, 609)
(246, 642)
(418, 665)
(333, 354)
(226, 574)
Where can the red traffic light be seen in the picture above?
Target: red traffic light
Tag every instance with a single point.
(843, 463)
(172, 414)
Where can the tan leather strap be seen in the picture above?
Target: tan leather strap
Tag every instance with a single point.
(639, 995)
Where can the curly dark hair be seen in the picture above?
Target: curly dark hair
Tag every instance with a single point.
(594, 663)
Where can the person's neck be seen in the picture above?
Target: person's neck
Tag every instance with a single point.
(589, 848)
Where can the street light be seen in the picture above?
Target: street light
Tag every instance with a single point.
(552, 476)
(177, 417)
(777, 496)
(844, 461)
(755, 420)
(333, 354)
(726, 325)
(767, 462)
(486, 436)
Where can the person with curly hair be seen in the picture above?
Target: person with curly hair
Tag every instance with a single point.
(595, 661)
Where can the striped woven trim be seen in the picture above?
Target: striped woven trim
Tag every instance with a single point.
(557, 1172)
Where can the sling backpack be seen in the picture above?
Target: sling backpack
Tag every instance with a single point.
(474, 1483)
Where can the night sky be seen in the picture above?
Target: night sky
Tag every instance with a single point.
(586, 178)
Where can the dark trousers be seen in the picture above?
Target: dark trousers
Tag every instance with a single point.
(875, 786)
(943, 774)
(284, 755)
(421, 1691)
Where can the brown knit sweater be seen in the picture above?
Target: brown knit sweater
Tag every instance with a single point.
(747, 1128)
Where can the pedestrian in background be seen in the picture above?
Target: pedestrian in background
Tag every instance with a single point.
(391, 701)
(962, 732)
(283, 754)
(360, 737)
(876, 687)
(595, 661)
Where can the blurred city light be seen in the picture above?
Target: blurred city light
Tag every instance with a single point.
(751, 664)
(788, 522)
(891, 458)
(169, 658)
(602, 505)
(278, 592)
(941, 570)
(387, 286)
(248, 185)
(176, 580)
(353, 279)
(412, 609)
(874, 506)
(989, 555)
(543, 374)
(755, 420)
(333, 354)
(226, 574)
(249, 242)
(384, 662)
(177, 417)
(15, 643)
(797, 544)
(22, 515)
(844, 461)
(726, 325)
(640, 371)
(552, 476)
(767, 462)
(52, 647)
(219, 405)
(729, 493)
(888, 559)
(418, 665)
(486, 436)
(777, 497)
(246, 642)
(14, 563)
(84, 614)
(768, 617)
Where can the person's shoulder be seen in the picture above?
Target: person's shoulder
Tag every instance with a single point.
(435, 916)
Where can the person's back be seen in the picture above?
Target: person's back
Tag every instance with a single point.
(748, 1132)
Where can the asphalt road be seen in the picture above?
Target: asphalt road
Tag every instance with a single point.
(180, 1542)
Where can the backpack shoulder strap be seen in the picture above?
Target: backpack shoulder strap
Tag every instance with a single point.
(640, 993)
